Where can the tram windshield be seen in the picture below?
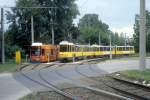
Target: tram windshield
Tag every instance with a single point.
(63, 48)
(35, 51)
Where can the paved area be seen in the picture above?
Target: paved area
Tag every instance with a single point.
(10, 88)
(122, 64)
(14, 86)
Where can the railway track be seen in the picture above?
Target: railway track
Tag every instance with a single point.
(93, 89)
(136, 90)
(133, 90)
(50, 85)
(73, 81)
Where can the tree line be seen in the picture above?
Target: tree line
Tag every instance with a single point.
(94, 31)
(89, 30)
(137, 32)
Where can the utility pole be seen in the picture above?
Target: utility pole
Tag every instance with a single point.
(89, 41)
(52, 23)
(99, 39)
(110, 56)
(2, 36)
(32, 30)
(142, 62)
(52, 29)
(125, 41)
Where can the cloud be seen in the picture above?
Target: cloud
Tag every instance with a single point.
(118, 14)
(7, 3)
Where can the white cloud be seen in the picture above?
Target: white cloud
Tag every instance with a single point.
(7, 3)
(118, 14)
(127, 29)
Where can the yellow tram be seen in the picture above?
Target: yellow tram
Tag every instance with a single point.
(68, 51)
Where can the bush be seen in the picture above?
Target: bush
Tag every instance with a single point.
(11, 50)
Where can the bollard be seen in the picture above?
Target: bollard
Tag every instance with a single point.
(18, 57)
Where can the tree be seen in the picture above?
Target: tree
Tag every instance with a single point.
(136, 32)
(20, 21)
(90, 27)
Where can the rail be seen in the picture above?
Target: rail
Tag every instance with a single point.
(65, 94)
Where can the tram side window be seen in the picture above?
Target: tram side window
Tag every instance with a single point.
(93, 49)
(123, 48)
(52, 53)
(73, 48)
(120, 49)
(127, 48)
(97, 49)
(104, 49)
(113, 48)
(42, 51)
(80, 49)
(84, 49)
(87, 49)
(35, 51)
(77, 49)
(63, 48)
(108, 48)
(90, 49)
(101, 48)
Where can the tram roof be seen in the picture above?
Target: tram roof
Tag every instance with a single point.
(37, 44)
(83, 45)
(94, 45)
(125, 46)
(65, 43)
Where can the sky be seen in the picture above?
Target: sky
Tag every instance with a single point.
(118, 14)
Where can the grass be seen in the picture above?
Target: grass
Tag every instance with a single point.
(137, 55)
(148, 54)
(144, 75)
(28, 97)
(9, 66)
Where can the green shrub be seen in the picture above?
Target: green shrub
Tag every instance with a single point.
(11, 50)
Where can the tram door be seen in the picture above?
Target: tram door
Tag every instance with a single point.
(51, 53)
(35, 53)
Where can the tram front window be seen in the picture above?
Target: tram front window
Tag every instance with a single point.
(35, 51)
(63, 48)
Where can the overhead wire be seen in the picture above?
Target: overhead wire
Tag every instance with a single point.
(83, 4)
